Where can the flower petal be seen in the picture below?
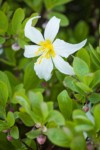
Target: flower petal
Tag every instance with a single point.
(30, 51)
(63, 66)
(65, 49)
(44, 69)
(52, 28)
(32, 33)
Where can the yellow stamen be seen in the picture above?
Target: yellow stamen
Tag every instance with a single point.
(46, 50)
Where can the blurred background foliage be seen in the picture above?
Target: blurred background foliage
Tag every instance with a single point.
(62, 103)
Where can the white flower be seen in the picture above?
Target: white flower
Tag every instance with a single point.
(49, 51)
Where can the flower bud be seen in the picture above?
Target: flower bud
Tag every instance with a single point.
(9, 138)
(41, 139)
(86, 108)
(15, 47)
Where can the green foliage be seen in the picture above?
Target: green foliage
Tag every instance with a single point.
(66, 109)
(17, 20)
(62, 140)
(3, 93)
(50, 4)
(80, 67)
(96, 116)
(65, 104)
(64, 19)
(3, 23)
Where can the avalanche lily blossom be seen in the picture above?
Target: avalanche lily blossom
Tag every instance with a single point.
(50, 52)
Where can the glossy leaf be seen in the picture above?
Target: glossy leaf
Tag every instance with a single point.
(65, 104)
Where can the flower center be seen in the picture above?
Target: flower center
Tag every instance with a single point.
(46, 50)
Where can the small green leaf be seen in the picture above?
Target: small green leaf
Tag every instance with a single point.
(80, 67)
(14, 132)
(83, 87)
(4, 78)
(10, 119)
(21, 98)
(97, 116)
(17, 20)
(83, 54)
(56, 116)
(3, 22)
(3, 93)
(69, 82)
(82, 121)
(3, 125)
(96, 79)
(2, 40)
(64, 19)
(52, 3)
(33, 133)
(81, 30)
(59, 137)
(94, 98)
(78, 143)
(65, 104)
(26, 119)
(30, 78)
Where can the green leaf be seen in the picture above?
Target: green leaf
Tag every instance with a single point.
(95, 57)
(56, 116)
(69, 82)
(59, 137)
(14, 132)
(78, 143)
(88, 79)
(82, 121)
(33, 134)
(83, 87)
(80, 67)
(35, 97)
(3, 22)
(26, 119)
(96, 79)
(3, 125)
(64, 19)
(17, 20)
(10, 119)
(34, 4)
(20, 98)
(39, 108)
(3, 94)
(52, 3)
(13, 80)
(97, 116)
(81, 30)
(40, 112)
(83, 54)
(2, 40)
(4, 78)
(30, 78)
(65, 104)
(94, 98)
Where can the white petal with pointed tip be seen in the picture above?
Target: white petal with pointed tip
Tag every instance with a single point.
(65, 49)
(44, 69)
(63, 66)
(52, 28)
(32, 33)
(30, 51)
